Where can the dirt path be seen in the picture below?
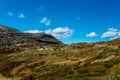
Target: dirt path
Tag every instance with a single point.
(17, 69)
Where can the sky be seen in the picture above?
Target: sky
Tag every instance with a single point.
(70, 21)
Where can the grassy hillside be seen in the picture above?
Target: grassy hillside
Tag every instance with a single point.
(82, 61)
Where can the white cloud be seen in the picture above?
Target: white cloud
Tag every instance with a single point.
(32, 31)
(115, 37)
(21, 16)
(92, 34)
(119, 34)
(112, 29)
(60, 32)
(111, 32)
(10, 14)
(45, 21)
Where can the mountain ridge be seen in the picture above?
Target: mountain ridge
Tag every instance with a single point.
(10, 36)
(5, 29)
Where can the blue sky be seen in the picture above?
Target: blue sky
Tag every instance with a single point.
(70, 21)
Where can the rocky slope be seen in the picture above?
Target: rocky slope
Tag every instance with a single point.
(5, 29)
(13, 37)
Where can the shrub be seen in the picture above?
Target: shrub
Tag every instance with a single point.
(119, 47)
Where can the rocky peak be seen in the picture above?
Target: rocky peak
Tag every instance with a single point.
(10, 37)
(5, 29)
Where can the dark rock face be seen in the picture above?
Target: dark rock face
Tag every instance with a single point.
(10, 37)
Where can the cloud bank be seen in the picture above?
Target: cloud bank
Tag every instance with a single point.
(60, 32)
(32, 31)
(111, 33)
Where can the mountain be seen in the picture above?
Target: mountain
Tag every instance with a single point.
(13, 37)
(28, 57)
